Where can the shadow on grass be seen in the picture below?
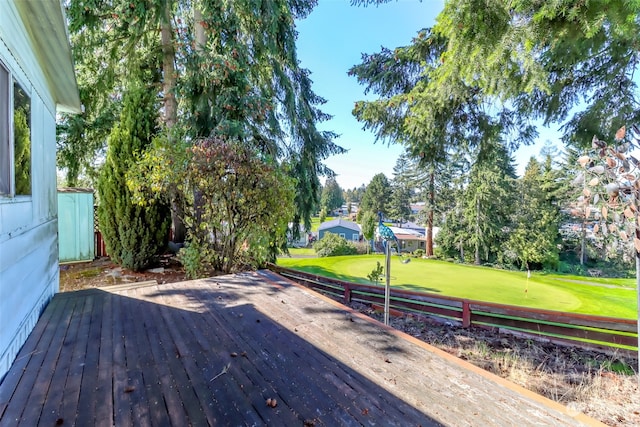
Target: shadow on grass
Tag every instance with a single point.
(321, 271)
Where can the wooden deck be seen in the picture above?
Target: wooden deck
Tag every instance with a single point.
(211, 352)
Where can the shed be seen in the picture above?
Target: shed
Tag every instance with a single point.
(36, 82)
(75, 224)
(347, 229)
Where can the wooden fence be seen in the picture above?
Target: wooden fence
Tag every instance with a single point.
(595, 332)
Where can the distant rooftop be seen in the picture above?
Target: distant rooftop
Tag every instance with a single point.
(339, 223)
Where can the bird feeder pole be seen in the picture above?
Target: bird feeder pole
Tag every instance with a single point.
(387, 287)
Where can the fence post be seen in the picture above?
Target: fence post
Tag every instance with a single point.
(347, 293)
(466, 314)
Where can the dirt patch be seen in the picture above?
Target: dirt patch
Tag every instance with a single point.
(602, 386)
(103, 272)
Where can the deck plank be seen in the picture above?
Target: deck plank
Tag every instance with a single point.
(151, 355)
(51, 411)
(12, 378)
(165, 364)
(24, 381)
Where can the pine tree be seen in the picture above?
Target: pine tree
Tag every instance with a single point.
(488, 201)
(232, 68)
(134, 234)
(377, 195)
(331, 195)
(534, 238)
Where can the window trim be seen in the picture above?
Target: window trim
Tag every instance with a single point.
(26, 86)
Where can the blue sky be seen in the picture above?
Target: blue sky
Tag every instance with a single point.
(330, 41)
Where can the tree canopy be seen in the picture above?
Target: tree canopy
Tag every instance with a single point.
(225, 69)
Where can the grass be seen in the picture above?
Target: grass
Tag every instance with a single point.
(604, 297)
(301, 252)
(315, 222)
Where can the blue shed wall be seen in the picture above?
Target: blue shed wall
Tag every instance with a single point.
(75, 226)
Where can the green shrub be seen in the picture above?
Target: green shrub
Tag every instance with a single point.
(333, 245)
(362, 248)
(419, 253)
(134, 233)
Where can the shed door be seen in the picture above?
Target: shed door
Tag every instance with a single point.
(75, 227)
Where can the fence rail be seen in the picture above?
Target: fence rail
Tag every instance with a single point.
(594, 332)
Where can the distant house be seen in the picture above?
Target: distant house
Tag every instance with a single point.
(415, 227)
(409, 239)
(303, 236)
(416, 208)
(343, 228)
(36, 82)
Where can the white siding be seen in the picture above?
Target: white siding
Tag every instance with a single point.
(28, 224)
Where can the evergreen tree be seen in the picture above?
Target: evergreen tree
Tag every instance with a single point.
(400, 203)
(369, 223)
(134, 234)
(547, 58)
(377, 195)
(488, 203)
(331, 195)
(534, 238)
(22, 154)
(230, 67)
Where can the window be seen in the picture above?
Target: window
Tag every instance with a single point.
(355, 237)
(15, 136)
(342, 235)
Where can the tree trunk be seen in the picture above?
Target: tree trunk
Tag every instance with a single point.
(168, 67)
(477, 251)
(171, 110)
(583, 241)
(432, 198)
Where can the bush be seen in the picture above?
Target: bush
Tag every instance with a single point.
(334, 245)
(362, 248)
(134, 233)
(418, 252)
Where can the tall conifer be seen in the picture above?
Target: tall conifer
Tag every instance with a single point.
(134, 234)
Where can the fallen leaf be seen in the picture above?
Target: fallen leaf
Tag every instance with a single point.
(596, 228)
(621, 133)
(234, 354)
(623, 236)
(584, 160)
(605, 212)
(594, 182)
(586, 192)
(636, 243)
(628, 212)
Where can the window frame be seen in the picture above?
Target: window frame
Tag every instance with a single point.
(12, 79)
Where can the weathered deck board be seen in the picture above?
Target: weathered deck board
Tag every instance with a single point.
(156, 355)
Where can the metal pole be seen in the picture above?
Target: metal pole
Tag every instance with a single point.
(387, 286)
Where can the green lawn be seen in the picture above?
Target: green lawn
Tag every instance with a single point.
(301, 252)
(598, 296)
(315, 222)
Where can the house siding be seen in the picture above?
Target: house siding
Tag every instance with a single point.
(348, 232)
(28, 224)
